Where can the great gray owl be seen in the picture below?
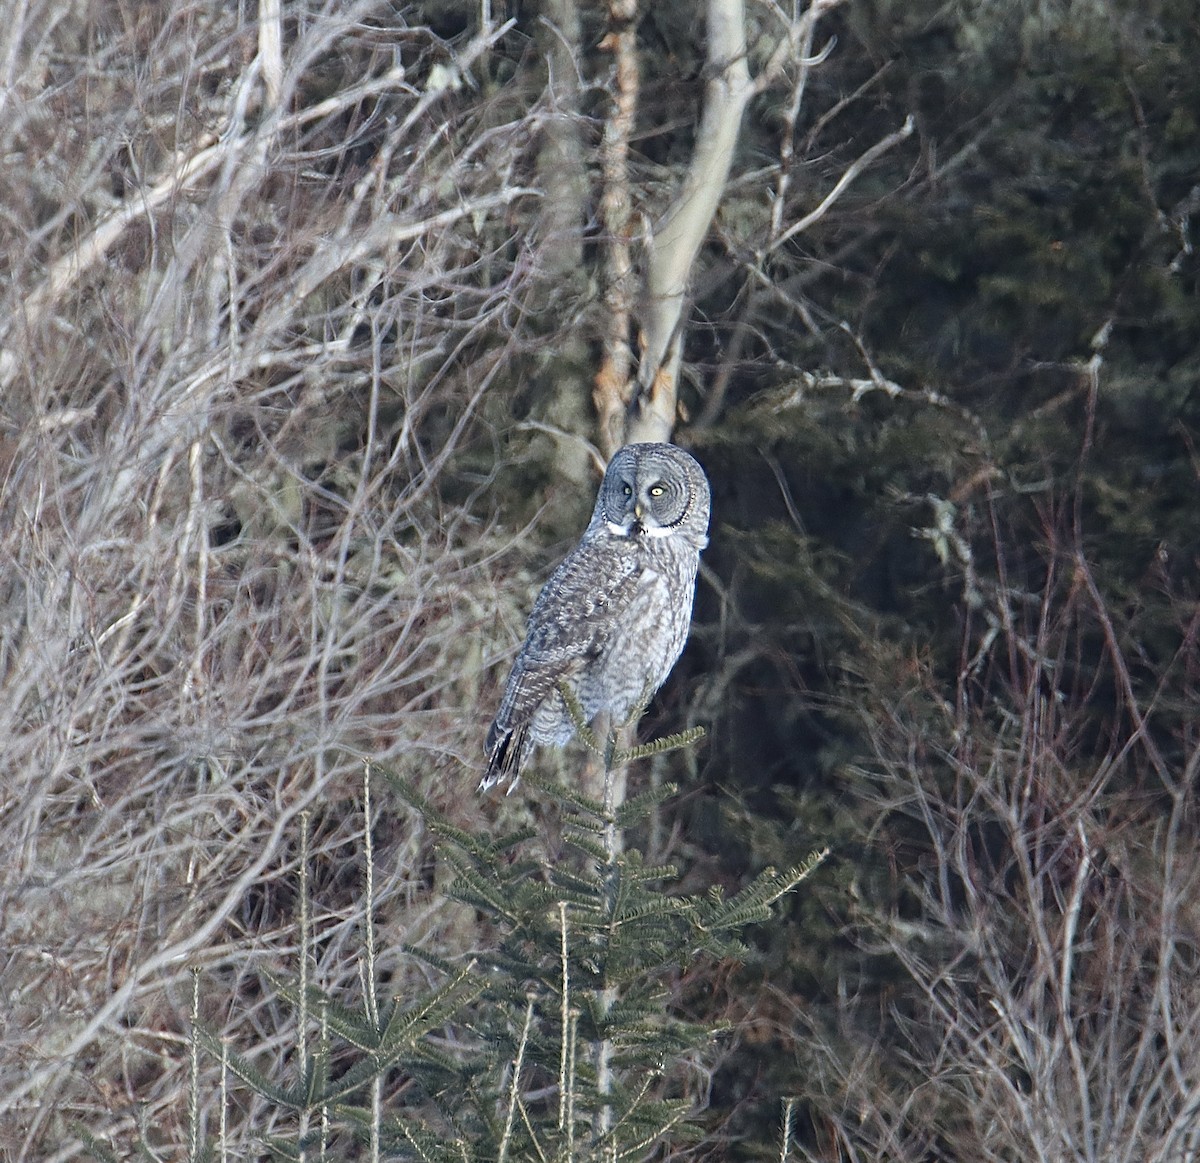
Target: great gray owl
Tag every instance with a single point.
(613, 618)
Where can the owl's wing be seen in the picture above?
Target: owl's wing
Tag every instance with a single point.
(570, 623)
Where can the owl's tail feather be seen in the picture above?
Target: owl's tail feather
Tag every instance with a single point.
(506, 754)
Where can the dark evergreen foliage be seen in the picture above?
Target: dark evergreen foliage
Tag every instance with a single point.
(1021, 488)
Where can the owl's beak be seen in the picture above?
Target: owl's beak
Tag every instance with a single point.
(638, 511)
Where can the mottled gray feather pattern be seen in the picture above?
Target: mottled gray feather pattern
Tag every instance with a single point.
(612, 619)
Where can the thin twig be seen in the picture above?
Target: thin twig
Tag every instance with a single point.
(513, 1091)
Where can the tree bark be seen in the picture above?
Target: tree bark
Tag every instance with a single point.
(562, 175)
(612, 385)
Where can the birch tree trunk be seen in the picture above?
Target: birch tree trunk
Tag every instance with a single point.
(671, 251)
(645, 408)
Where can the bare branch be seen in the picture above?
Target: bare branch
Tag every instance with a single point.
(270, 50)
(843, 183)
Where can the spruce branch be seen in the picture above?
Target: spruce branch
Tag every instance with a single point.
(582, 728)
(564, 1013)
(661, 746)
(240, 1067)
(583, 805)
(789, 1110)
(753, 903)
(367, 968)
(194, 1071)
(484, 850)
(101, 1151)
(643, 804)
(576, 990)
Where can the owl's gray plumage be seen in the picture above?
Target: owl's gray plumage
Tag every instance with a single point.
(613, 617)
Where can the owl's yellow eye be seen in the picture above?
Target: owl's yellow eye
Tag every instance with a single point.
(627, 490)
(657, 490)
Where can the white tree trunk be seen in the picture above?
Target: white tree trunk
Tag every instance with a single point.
(672, 251)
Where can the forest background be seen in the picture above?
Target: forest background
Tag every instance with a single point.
(316, 324)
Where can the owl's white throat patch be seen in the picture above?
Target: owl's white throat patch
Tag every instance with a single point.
(637, 529)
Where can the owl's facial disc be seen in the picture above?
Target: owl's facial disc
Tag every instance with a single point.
(638, 514)
(623, 518)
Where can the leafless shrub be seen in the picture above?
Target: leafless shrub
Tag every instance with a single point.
(260, 282)
(1049, 925)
